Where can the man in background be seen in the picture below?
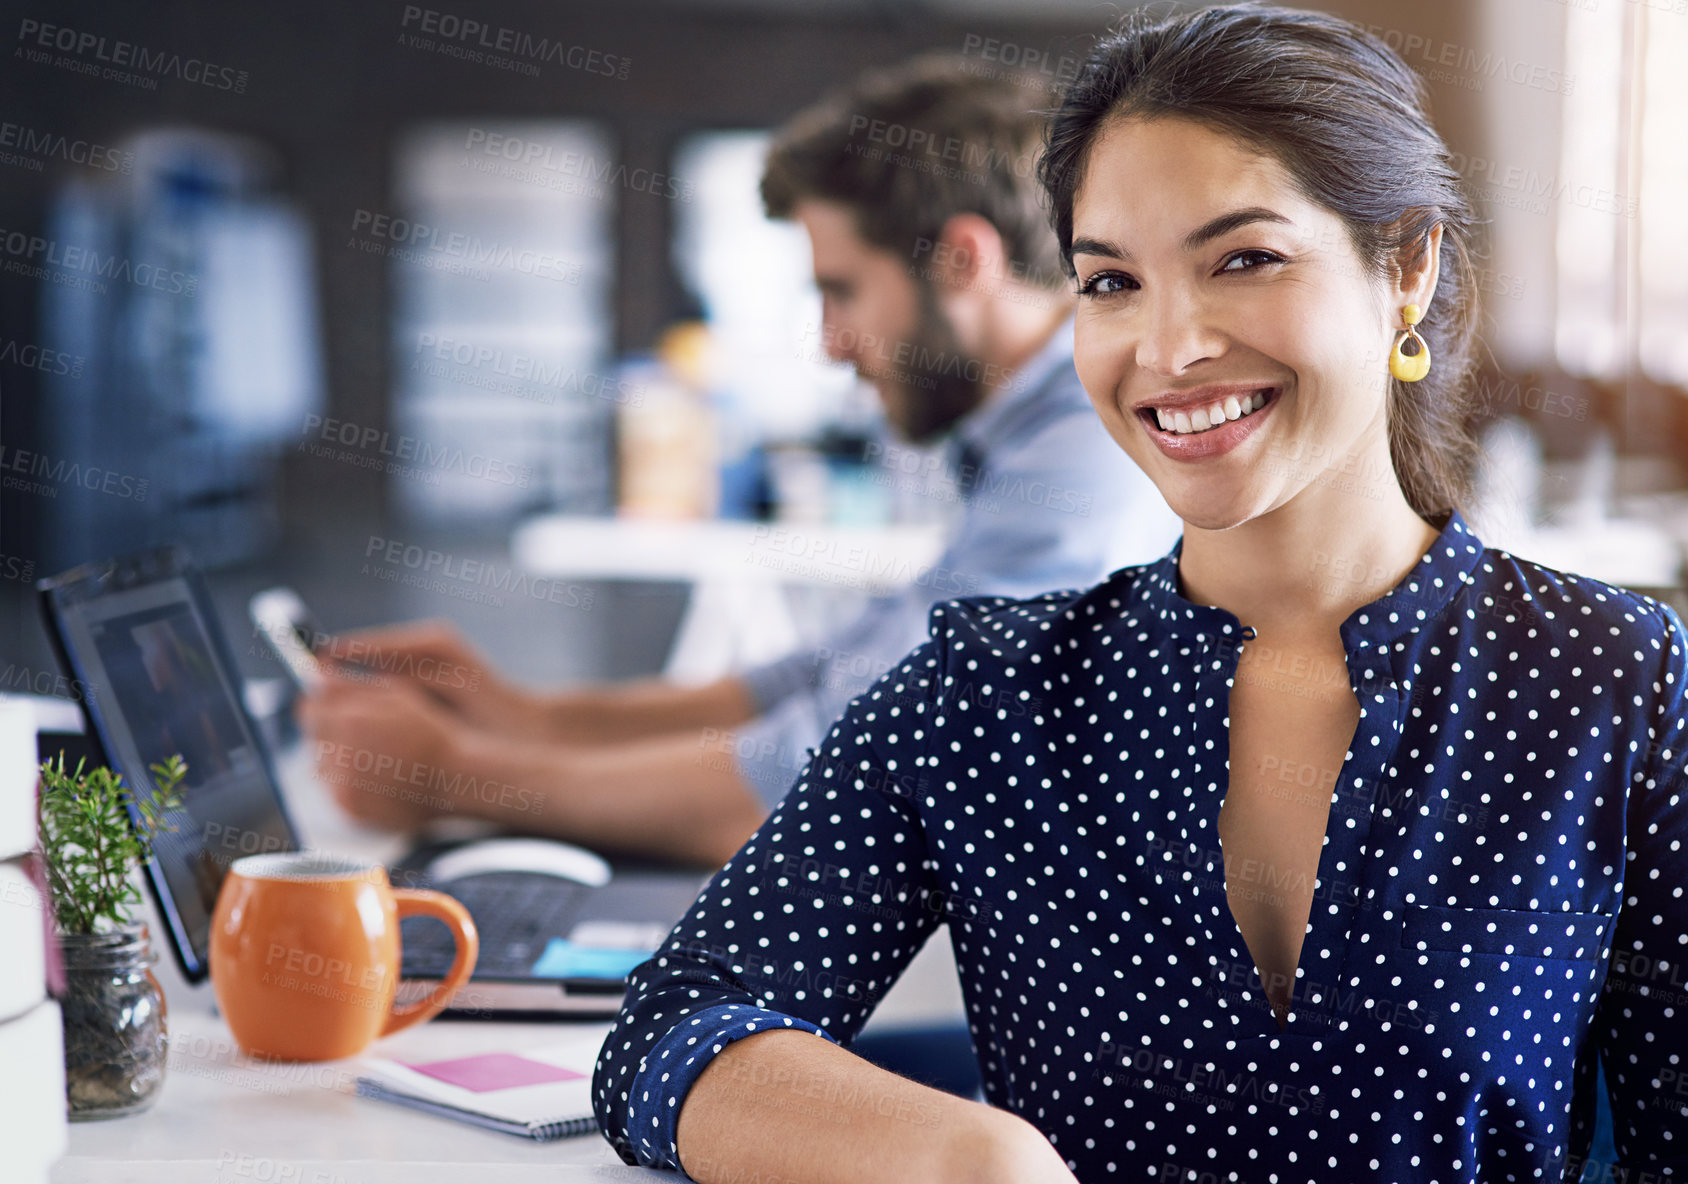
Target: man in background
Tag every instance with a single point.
(941, 285)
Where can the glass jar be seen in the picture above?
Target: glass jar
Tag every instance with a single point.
(114, 1031)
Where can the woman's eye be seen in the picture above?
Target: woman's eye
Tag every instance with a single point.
(1106, 283)
(1249, 260)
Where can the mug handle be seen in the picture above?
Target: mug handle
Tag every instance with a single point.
(413, 902)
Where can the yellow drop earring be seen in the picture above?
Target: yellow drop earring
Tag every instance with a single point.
(1410, 367)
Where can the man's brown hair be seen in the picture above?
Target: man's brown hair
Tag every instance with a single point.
(908, 147)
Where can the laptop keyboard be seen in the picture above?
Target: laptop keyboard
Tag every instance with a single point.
(516, 913)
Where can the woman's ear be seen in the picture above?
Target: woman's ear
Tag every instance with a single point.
(1417, 269)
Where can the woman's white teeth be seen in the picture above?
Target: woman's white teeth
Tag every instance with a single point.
(1205, 419)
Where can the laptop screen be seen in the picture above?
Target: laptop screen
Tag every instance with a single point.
(156, 686)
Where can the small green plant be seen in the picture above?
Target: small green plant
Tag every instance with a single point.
(91, 845)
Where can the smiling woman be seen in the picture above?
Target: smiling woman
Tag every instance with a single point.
(1334, 845)
(1331, 118)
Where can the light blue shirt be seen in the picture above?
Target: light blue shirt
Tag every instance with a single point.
(1047, 500)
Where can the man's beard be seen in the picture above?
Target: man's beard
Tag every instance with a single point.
(940, 384)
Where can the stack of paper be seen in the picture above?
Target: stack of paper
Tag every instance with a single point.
(32, 1102)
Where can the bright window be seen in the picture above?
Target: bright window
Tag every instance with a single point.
(1622, 257)
(1663, 167)
(1592, 238)
(755, 279)
(502, 333)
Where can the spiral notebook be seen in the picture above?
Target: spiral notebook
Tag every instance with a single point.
(543, 1093)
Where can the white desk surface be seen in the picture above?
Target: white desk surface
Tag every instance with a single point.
(222, 1118)
(872, 559)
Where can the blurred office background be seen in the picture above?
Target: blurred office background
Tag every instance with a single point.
(390, 302)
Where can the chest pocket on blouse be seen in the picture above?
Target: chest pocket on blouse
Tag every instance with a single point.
(1516, 932)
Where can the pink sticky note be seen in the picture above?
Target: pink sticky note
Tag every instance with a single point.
(494, 1070)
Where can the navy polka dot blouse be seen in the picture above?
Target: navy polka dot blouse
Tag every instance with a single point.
(1499, 901)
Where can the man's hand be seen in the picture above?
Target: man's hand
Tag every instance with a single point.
(434, 656)
(386, 750)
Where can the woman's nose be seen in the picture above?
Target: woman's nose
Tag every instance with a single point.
(1174, 334)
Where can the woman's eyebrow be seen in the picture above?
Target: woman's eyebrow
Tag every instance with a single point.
(1195, 240)
(1226, 223)
(1097, 246)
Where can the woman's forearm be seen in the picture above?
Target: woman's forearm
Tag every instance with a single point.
(789, 1106)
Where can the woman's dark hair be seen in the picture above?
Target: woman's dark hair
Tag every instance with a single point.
(1345, 116)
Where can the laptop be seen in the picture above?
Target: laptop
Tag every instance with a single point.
(141, 636)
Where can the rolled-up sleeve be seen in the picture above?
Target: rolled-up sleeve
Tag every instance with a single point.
(1641, 1027)
(805, 928)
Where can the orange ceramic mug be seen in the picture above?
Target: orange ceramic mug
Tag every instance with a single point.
(305, 954)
